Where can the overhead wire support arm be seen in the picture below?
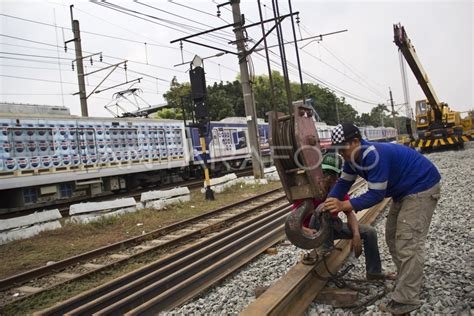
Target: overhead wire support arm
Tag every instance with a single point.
(235, 25)
(209, 46)
(88, 56)
(98, 70)
(118, 85)
(251, 50)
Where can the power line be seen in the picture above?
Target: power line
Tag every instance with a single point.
(127, 11)
(27, 67)
(35, 93)
(98, 34)
(179, 16)
(37, 56)
(349, 67)
(87, 32)
(31, 47)
(344, 74)
(27, 40)
(33, 60)
(118, 58)
(36, 79)
(325, 83)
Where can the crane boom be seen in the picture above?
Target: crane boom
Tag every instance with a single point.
(408, 50)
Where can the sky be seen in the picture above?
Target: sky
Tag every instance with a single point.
(360, 64)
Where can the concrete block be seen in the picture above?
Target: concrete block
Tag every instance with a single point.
(223, 179)
(28, 231)
(269, 170)
(252, 181)
(92, 207)
(28, 220)
(90, 217)
(164, 194)
(273, 176)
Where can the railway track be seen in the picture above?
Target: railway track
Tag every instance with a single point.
(172, 280)
(157, 242)
(63, 207)
(297, 289)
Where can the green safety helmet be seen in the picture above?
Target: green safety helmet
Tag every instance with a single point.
(332, 162)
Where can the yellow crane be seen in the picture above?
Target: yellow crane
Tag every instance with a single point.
(437, 125)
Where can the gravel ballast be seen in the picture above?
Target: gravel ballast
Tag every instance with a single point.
(448, 287)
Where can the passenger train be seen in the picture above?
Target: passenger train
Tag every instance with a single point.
(48, 156)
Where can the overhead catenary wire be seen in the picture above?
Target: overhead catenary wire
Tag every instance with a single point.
(170, 69)
(325, 83)
(104, 55)
(181, 17)
(98, 34)
(134, 13)
(37, 56)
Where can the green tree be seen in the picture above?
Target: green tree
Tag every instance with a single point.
(220, 102)
(173, 114)
(175, 94)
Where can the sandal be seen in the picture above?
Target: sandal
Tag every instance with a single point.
(382, 276)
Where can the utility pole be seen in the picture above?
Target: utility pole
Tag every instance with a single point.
(80, 67)
(395, 123)
(249, 103)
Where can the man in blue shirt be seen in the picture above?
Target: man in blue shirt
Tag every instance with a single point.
(412, 181)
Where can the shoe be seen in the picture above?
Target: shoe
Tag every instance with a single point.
(310, 258)
(398, 308)
(381, 276)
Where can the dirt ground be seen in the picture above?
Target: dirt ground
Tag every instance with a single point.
(73, 239)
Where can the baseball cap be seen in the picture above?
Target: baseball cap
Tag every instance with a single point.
(343, 133)
(332, 162)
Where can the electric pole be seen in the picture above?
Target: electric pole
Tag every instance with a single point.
(395, 123)
(249, 103)
(80, 67)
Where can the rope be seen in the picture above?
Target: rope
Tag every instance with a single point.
(286, 144)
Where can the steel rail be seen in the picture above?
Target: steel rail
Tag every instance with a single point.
(150, 289)
(164, 273)
(297, 289)
(26, 276)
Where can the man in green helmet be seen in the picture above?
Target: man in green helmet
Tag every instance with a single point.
(358, 233)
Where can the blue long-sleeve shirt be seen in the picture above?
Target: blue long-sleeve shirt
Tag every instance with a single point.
(391, 170)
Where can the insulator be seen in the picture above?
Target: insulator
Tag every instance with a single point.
(297, 19)
(65, 48)
(92, 62)
(125, 66)
(100, 57)
(72, 65)
(218, 13)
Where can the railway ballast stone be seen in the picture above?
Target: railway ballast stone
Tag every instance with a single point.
(448, 286)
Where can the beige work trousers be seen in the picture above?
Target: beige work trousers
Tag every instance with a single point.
(408, 223)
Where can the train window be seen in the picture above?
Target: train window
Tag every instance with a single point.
(65, 190)
(30, 195)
